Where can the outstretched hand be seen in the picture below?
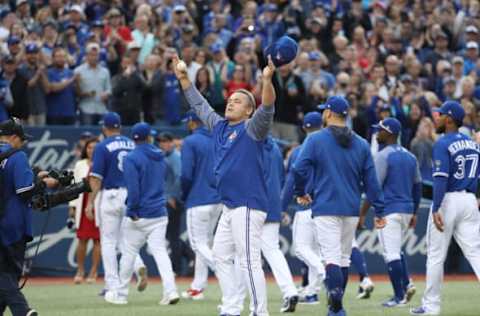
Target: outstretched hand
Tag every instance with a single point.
(180, 72)
(269, 70)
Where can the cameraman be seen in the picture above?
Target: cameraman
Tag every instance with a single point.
(16, 188)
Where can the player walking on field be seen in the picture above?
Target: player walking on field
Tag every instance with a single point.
(399, 176)
(342, 167)
(455, 209)
(239, 170)
(109, 195)
(201, 200)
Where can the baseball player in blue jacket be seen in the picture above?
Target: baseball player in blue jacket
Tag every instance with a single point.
(342, 167)
(455, 210)
(146, 218)
(109, 195)
(399, 176)
(304, 240)
(201, 200)
(239, 141)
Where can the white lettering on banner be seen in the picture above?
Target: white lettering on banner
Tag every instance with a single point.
(49, 153)
(368, 242)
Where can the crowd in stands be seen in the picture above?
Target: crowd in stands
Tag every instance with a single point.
(66, 62)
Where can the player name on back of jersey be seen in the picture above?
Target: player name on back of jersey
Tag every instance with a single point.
(459, 145)
(120, 144)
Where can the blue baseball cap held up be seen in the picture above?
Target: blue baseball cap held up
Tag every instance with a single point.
(391, 125)
(283, 51)
(141, 131)
(337, 104)
(111, 120)
(452, 109)
(312, 120)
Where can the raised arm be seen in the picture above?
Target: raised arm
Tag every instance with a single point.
(259, 126)
(194, 98)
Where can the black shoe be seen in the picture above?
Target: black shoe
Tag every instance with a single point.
(289, 304)
(32, 312)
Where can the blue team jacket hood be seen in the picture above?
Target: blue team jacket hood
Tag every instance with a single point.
(151, 151)
(343, 135)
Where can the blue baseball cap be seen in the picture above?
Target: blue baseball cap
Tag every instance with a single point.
(452, 109)
(271, 7)
(216, 48)
(12, 40)
(112, 120)
(312, 120)
(390, 124)
(337, 104)
(312, 56)
(283, 51)
(191, 116)
(141, 131)
(31, 48)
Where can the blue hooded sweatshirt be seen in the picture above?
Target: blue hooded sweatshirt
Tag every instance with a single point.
(275, 175)
(144, 172)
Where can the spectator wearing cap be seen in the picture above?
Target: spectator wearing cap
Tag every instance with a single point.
(15, 47)
(142, 35)
(270, 28)
(93, 87)
(471, 34)
(61, 103)
(471, 58)
(457, 75)
(291, 103)
(22, 10)
(116, 33)
(440, 52)
(49, 39)
(34, 71)
(127, 91)
(76, 17)
(219, 66)
(321, 81)
(449, 89)
(18, 85)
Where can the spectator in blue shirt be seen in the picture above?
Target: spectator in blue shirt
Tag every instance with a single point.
(61, 91)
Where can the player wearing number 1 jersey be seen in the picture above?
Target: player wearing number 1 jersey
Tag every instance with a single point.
(109, 195)
(455, 209)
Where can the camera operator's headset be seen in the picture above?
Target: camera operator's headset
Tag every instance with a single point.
(4, 156)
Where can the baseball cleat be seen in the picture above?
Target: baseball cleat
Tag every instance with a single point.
(365, 288)
(112, 297)
(289, 304)
(142, 279)
(309, 300)
(102, 292)
(339, 313)
(32, 312)
(193, 294)
(393, 302)
(410, 292)
(171, 299)
(421, 311)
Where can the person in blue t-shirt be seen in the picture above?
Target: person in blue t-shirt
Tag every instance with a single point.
(61, 107)
(17, 186)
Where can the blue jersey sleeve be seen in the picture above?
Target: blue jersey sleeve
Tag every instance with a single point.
(371, 184)
(98, 165)
(304, 165)
(23, 175)
(188, 168)
(132, 181)
(441, 169)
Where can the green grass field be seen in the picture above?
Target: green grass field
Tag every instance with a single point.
(459, 299)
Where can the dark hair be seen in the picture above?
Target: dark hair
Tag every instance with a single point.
(84, 149)
(197, 82)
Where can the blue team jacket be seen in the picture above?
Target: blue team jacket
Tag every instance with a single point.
(398, 173)
(198, 180)
(343, 168)
(144, 172)
(275, 177)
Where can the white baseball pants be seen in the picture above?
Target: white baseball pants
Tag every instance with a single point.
(305, 245)
(201, 222)
(239, 236)
(461, 220)
(135, 234)
(335, 236)
(391, 236)
(110, 210)
(276, 260)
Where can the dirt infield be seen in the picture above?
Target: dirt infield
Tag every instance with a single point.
(182, 280)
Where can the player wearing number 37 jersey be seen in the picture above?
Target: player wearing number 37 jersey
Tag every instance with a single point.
(455, 209)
